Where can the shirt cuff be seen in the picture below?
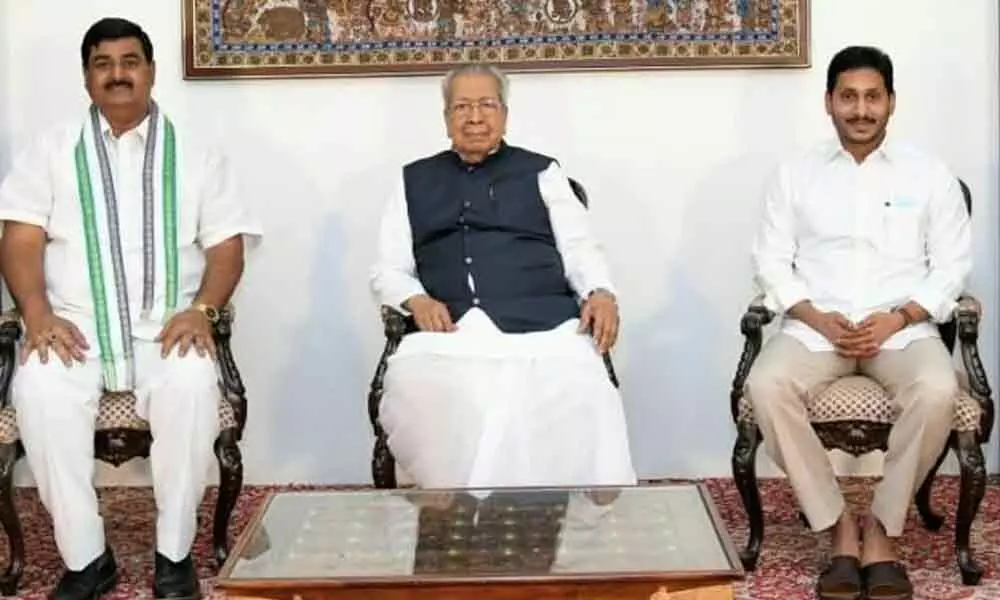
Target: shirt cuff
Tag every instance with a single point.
(783, 297)
(593, 288)
(398, 297)
(251, 237)
(26, 217)
(938, 307)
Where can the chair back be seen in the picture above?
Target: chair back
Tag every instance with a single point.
(581, 194)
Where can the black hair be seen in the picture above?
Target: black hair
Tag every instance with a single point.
(859, 57)
(112, 28)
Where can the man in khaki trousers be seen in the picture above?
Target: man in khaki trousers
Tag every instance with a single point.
(863, 247)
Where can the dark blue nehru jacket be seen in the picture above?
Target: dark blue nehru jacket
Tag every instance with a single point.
(488, 219)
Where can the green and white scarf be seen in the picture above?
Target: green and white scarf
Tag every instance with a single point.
(105, 264)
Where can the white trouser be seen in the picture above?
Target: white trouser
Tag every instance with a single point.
(56, 413)
(480, 408)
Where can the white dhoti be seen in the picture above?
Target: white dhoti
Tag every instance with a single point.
(481, 408)
(56, 412)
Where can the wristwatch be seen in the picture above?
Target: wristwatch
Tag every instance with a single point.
(907, 319)
(210, 312)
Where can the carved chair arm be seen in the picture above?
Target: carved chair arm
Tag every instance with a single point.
(752, 325)
(232, 384)
(967, 315)
(396, 323)
(10, 333)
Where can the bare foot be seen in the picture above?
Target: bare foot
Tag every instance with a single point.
(845, 536)
(878, 547)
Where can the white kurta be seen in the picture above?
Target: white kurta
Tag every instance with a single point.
(481, 408)
(57, 406)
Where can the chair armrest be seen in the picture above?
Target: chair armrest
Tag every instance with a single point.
(396, 324)
(752, 324)
(10, 333)
(967, 316)
(232, 382)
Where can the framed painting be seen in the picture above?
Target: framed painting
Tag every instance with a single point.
(317, 38)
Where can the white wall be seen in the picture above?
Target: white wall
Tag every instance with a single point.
(674, 162)
(5, 80)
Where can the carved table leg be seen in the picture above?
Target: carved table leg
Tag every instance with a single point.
(230, 482)
(10, 521)
(972, 489)
(745, 473)
(932, 520)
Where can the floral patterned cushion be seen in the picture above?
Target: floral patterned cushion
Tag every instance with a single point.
(116, 411)
(859, 398)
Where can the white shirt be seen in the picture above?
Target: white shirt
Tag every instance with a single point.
(41, 190)
(394, 276)
(861, 238)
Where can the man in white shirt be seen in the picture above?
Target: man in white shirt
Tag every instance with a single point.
(121, 238)
(489, 249)
(863, 247)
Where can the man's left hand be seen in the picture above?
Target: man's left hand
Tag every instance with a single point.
(599, 315)
(870, 334)
(186, 329)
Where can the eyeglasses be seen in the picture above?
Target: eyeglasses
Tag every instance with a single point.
(487, 107)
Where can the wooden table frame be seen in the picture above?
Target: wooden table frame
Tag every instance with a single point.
(675, 585)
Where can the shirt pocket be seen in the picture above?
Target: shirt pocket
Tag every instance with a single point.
(902, 229)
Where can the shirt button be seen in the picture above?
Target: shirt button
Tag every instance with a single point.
(468, 260)
(475, 301)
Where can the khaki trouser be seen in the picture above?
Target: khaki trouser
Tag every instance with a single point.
(924, 389)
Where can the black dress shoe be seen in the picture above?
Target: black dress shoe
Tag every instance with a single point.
(175, 579)
(90, 583)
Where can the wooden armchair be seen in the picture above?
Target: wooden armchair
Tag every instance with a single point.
(855, 415)
(121, 436)
(397, 325)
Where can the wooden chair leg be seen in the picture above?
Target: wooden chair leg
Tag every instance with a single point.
(971, 491)
(230, 458)
(932, 520)
(745, 474)
(10, 521)
(383, 463)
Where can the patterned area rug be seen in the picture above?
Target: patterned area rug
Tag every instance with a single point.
(788, 565)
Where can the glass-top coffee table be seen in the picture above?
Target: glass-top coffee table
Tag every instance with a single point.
(656, 542)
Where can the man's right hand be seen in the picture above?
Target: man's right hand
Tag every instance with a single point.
(832, 325)
(429, 314)
(50, 332)
(836, 328)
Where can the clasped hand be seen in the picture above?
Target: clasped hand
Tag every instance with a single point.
(859, 340)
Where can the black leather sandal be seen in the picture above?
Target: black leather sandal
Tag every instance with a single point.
(841, 580)
(887, 580)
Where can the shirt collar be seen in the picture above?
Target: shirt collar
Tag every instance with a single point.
(493, 154)
(884, 151)
(142, 129)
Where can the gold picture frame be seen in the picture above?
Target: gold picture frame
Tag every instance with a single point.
(226, 39)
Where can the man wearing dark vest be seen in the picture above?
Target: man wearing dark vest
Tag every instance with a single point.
(487, 246)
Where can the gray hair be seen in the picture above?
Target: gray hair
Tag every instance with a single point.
(476, 69)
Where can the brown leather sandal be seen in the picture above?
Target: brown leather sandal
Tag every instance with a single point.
(841, 580)
(887, 580)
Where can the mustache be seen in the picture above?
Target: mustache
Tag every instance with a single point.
(118, 82)
(854, 120)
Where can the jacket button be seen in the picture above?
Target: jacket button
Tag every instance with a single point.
(475, 301)
(468, 260)
(467, 204)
